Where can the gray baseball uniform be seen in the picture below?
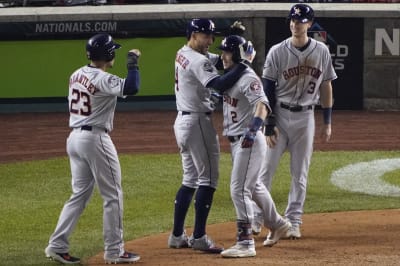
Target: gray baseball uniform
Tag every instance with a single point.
(239, 108)
(195, 134)
(93, 157)
(298, 75)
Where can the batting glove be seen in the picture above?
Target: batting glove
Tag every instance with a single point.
(132, 59)
(247, 52)
(251, 132)
(249, 138)
(215, 99)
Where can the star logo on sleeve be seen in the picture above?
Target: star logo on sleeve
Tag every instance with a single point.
(208, 67)
(113, 81)
(255, 87)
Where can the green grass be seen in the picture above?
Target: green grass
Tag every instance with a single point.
(392, 177)
(33, 193)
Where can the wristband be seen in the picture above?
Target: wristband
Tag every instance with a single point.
(255, 124)
(270, 124)
(327, 112)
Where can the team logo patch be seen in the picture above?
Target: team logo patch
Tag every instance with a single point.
(255, 86)
(113, 81)
(208, 67)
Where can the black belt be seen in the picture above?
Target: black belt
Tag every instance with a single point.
(296, 108)
(89, 128)
(234, 138)
(188, 113)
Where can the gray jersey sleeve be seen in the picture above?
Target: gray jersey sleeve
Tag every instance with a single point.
(329, 73)
(271, 65)
(204, 70)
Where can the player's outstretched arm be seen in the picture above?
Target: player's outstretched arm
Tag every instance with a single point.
(226, 81)
(132, 81)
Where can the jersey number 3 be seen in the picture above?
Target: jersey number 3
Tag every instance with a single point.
(83, 98)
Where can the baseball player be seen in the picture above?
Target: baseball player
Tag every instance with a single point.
(196, 137)
(245, 107)
(297, 76)
(93, 158)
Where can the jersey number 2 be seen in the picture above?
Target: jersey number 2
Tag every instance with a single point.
(80, 96)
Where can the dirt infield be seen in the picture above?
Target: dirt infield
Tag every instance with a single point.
(349, 238)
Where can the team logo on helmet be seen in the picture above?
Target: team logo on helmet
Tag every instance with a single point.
(301, 12)
(297, 11)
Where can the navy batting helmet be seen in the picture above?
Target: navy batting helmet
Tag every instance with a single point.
(200, 25)
(231, 44)
(301, 12)
(101, 47)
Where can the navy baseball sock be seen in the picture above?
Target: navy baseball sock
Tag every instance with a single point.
(182, 202)
(204, 198)
(244, 231)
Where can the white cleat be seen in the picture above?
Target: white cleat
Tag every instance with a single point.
(63, 258)
(205, 244)
(242, 249)
(293, 233)
(274, 235)
(127, 257)
(181, 241)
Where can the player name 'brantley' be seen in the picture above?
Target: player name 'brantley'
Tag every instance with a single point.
(82, 79)
(302, 70)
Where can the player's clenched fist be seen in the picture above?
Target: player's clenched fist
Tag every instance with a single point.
(132, 59)
(135, 51)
